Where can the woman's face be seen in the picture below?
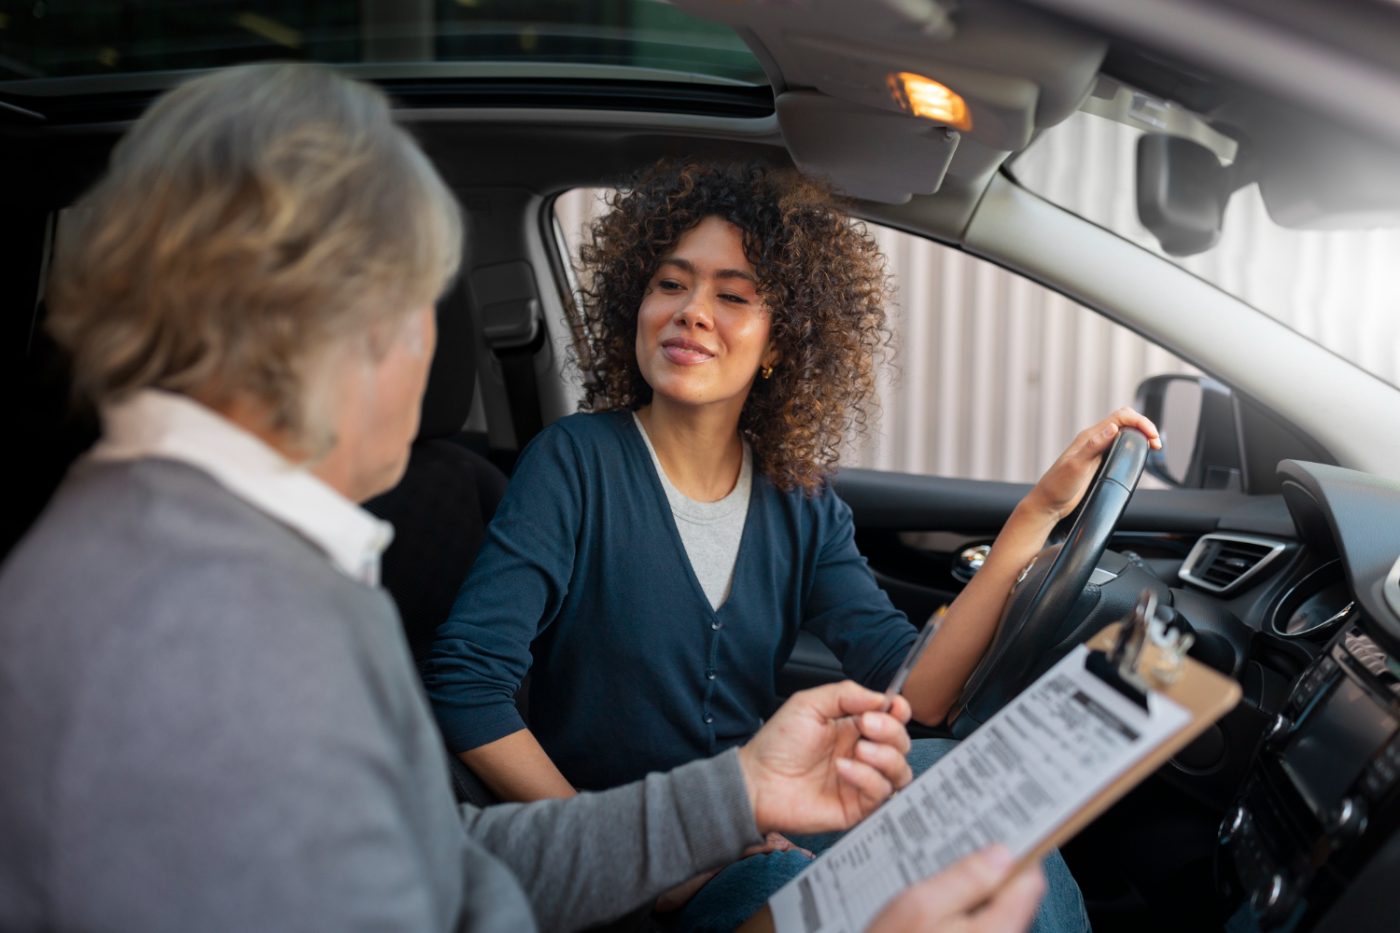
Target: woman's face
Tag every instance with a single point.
(702, 331)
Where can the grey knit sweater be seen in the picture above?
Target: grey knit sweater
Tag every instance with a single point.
(204, 726)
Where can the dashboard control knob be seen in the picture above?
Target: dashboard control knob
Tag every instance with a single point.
(1347, 820)
(1278, 731)
(1268, 898)
(1232, 824)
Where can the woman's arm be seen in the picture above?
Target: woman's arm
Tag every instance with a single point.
(971, 621)
(517, 768)
(516, 588)
(968, 626)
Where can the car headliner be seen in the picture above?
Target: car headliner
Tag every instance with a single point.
(492, 130)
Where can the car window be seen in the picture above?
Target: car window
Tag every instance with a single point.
(1339, 288)
(991, 374)
(648, 38)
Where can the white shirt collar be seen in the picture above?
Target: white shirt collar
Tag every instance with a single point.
(154, 423)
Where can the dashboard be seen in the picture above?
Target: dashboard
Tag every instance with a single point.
(1311, 839)
(1286, 811)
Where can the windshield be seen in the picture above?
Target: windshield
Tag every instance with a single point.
(43, 39)
(1339, 288)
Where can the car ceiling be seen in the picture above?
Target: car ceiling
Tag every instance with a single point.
(1021, 69)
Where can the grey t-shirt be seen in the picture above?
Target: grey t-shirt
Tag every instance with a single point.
(710, 531)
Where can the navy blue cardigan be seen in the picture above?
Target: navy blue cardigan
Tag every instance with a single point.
(633, 671)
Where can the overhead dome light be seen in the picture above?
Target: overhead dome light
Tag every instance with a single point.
(925, 97)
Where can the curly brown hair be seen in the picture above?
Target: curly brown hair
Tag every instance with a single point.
(819, 272)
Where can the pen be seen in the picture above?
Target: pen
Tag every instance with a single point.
(916, 651)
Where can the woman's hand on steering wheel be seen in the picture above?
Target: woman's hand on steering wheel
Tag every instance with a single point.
(1062, 486)
(1038, 621)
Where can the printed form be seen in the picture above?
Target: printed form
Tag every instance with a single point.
(1013, 781)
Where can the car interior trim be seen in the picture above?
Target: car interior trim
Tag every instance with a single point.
(1303, 65)
(1191, 567)
(1392, 588)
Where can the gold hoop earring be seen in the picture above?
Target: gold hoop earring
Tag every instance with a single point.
(766, 372)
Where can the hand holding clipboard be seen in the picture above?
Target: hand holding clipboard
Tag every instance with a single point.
(1096, 724)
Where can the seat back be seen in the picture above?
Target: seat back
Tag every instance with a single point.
(442, 505)
(439, 510)
(48, 431)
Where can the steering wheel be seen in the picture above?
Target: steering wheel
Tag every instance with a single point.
(1041, 600)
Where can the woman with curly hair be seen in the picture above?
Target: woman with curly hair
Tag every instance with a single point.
(656, 557)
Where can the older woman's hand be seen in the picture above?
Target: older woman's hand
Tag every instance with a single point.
(975, 895)
(826, 759)
(1064, 484)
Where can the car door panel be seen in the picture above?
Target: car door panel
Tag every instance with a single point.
(912, 530)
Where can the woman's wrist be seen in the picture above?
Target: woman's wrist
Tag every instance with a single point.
(1035, 514)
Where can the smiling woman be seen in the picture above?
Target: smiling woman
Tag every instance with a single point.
(619, 537)
(703, 330)
(683, 529)
(804, 257)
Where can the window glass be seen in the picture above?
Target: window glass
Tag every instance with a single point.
(44, 38)
(1339, 288)
(992, 374)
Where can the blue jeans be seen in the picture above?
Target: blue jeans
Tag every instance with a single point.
(741, 889)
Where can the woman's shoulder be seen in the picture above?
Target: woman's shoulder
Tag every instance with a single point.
(823, 499)
(591, 425)
(583, 433)
(581, 441)
(820, 512)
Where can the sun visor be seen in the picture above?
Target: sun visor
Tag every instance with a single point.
(1002, 107)
(834, 139)
(1010, 71)
(1018, 69)
(1330, 181)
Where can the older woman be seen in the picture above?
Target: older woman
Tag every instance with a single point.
(653, 561)
(208, 714)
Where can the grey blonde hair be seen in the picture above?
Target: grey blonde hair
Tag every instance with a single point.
(249, 220)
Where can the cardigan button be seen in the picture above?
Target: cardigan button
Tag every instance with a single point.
(716, 626)
(709, 718)
(709, 675)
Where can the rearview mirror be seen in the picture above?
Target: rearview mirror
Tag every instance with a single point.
(1182, 190)
(1200, 432)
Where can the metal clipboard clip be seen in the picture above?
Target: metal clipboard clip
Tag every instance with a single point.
(1118, 667)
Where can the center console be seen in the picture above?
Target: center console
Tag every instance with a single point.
(1324, 793)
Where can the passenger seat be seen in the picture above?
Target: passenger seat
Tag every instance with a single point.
(441, 507)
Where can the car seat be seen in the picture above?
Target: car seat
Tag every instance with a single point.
(442, 505)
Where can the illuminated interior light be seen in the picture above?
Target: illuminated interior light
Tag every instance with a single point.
(925, 97)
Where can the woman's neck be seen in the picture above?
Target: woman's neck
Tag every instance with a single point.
(699, 449)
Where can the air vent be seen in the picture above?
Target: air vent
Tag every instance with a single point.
(1223, 563)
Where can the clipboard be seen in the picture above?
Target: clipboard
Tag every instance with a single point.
(1204, 693)
(1123, 657)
